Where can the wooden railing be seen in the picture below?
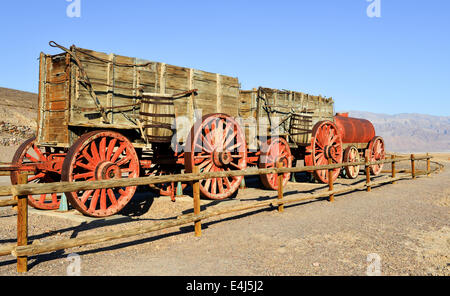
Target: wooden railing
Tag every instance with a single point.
(20, 193)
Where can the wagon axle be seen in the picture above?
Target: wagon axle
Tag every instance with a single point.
(330, 152)
(107, 170)
(222, 159)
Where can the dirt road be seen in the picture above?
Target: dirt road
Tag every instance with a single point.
(404, 229)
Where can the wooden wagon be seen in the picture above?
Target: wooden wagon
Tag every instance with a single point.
(104, 116)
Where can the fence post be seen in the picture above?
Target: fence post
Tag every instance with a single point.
(22, 225)
(196, 192)
(280, 187)
(330, 181)
(428, 165)
(368, 172)
(413, 167)
(393, 168)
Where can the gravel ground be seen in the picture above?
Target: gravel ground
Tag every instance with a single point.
(406, 225)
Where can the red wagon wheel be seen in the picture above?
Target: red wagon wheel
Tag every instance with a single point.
(351, 154)
(29, 153)
(376, 152)
(326, 143)
(216, 144)
(101, 155)
(274, 151)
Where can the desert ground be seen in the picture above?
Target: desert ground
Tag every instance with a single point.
(405, 225)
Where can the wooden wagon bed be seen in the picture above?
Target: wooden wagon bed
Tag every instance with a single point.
(293, 113)
(75, 86)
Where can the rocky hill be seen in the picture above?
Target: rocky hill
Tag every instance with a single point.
(18, 112)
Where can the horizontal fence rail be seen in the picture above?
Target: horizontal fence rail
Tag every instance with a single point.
(23, 250)
(59, 187)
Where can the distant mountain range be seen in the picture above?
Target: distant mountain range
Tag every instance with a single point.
(410, 132)
(402, 132)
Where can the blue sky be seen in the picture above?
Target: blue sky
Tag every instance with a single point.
(398, 63)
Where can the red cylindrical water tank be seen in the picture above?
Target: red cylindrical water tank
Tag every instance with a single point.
(354, 130)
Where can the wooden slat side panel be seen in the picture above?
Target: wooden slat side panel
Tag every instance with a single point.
(116, 85)
(54, 100)
(284, 103)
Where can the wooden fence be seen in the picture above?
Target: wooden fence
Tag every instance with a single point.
(22, 250)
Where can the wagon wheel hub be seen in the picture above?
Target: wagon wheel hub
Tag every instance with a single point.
(107, 170)
(221, 159)
(330, 152)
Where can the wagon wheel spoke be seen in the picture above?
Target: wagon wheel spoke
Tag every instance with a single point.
(207, 184)
(124, 161)
(230, 140)
(94, 152)
(94, 200)
(103, 199)
(88, 157)
(235, 165)
(110, 149)
(31, 158)
(226, 137)
(237, 145)
(227, 182)
(87, 166)
(118, 152)
(208, 168)
(111, 196)
(202, 156)
(205, 163)
(86, 195)
(39, 153)
(36, 177)
(208, 147)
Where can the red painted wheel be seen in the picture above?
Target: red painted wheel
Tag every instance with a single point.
(100, 155)
(326, 143)
(351, 154)
(216, 143)
(164, 189)
(376, 152)
(274, 151)
(29, 153)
